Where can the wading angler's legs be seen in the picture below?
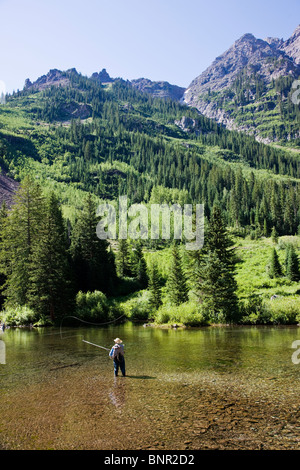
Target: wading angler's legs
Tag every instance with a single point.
(117, 365)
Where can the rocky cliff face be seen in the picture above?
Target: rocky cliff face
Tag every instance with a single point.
(292, 46)
(53, 78)
(159, 89)
(240, 89)
(8, 187)
(250, 67)
(249, 55)
(102, 77)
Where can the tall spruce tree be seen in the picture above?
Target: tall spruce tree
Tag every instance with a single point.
(93, 263)
(292, 264)
(20, 233)
(274, 235)
(177, 282)
(139, 265)
(49, 291)
(3, 218)
(216, 282)
(275, 268)
(154, 287)
(123, 259)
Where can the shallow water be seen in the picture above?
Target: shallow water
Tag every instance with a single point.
(206, 388)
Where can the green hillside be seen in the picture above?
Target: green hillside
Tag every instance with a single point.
(265, 109)
(128, 143)
(86, 142)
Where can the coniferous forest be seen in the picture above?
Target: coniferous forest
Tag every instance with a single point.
(72, 147)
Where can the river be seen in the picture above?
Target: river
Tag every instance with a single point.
(202, 388)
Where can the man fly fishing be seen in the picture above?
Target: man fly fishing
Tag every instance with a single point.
(117, 354)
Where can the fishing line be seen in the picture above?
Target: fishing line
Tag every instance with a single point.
(59, 333)
(88, 322)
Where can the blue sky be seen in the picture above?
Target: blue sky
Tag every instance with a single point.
(162, 40)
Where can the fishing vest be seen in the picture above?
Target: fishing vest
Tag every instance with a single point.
(118, 352)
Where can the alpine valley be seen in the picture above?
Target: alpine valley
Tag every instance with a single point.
(231, 141)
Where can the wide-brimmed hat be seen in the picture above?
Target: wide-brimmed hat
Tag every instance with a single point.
(118, 340)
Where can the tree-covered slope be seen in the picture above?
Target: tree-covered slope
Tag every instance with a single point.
(77, 136)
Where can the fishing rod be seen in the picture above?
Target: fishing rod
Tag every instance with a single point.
(97, 345)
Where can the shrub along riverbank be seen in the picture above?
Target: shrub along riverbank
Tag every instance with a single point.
(263, 299)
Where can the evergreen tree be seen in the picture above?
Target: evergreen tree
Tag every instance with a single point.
(49, 284)
(20, 233)
(3, 218)
(216, 283)
(123, 259)
(177, 283)
(139, 266)
(292, 264)
(275, 269)
(217, 289)
(154, 287)
(93, 264)
(274, 235)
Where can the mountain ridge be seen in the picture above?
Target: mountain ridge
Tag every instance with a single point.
(247, 88)
(244, 81)
(158, 89)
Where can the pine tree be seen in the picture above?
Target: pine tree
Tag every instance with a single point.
(274, 235)
(216, 283)
(123, 259)
(139, 266)
(154, 287)
(93, 263)
(292, 264)
(49, 279)
(20, 232)
(275, 269)
(217, 289)
(3, 218)
(177, 282)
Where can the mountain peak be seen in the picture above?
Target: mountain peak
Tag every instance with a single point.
(54, 77)
(102, 77)
(247, 37)
(248, 52)
(292, 46)
(297, 31)
(160, 89)
(248, 64)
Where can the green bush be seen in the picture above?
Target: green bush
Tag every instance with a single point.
(94, 306)
(253, 311)
(18, 316)
(284, 310)
(140, 311)
(188, 314)
(257, 318)
(43, 321)
(137, 308)
(217, 317)
(280, 311)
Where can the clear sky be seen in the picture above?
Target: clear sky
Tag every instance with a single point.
(159, 39)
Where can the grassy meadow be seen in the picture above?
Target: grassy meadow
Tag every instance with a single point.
(263, 300)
